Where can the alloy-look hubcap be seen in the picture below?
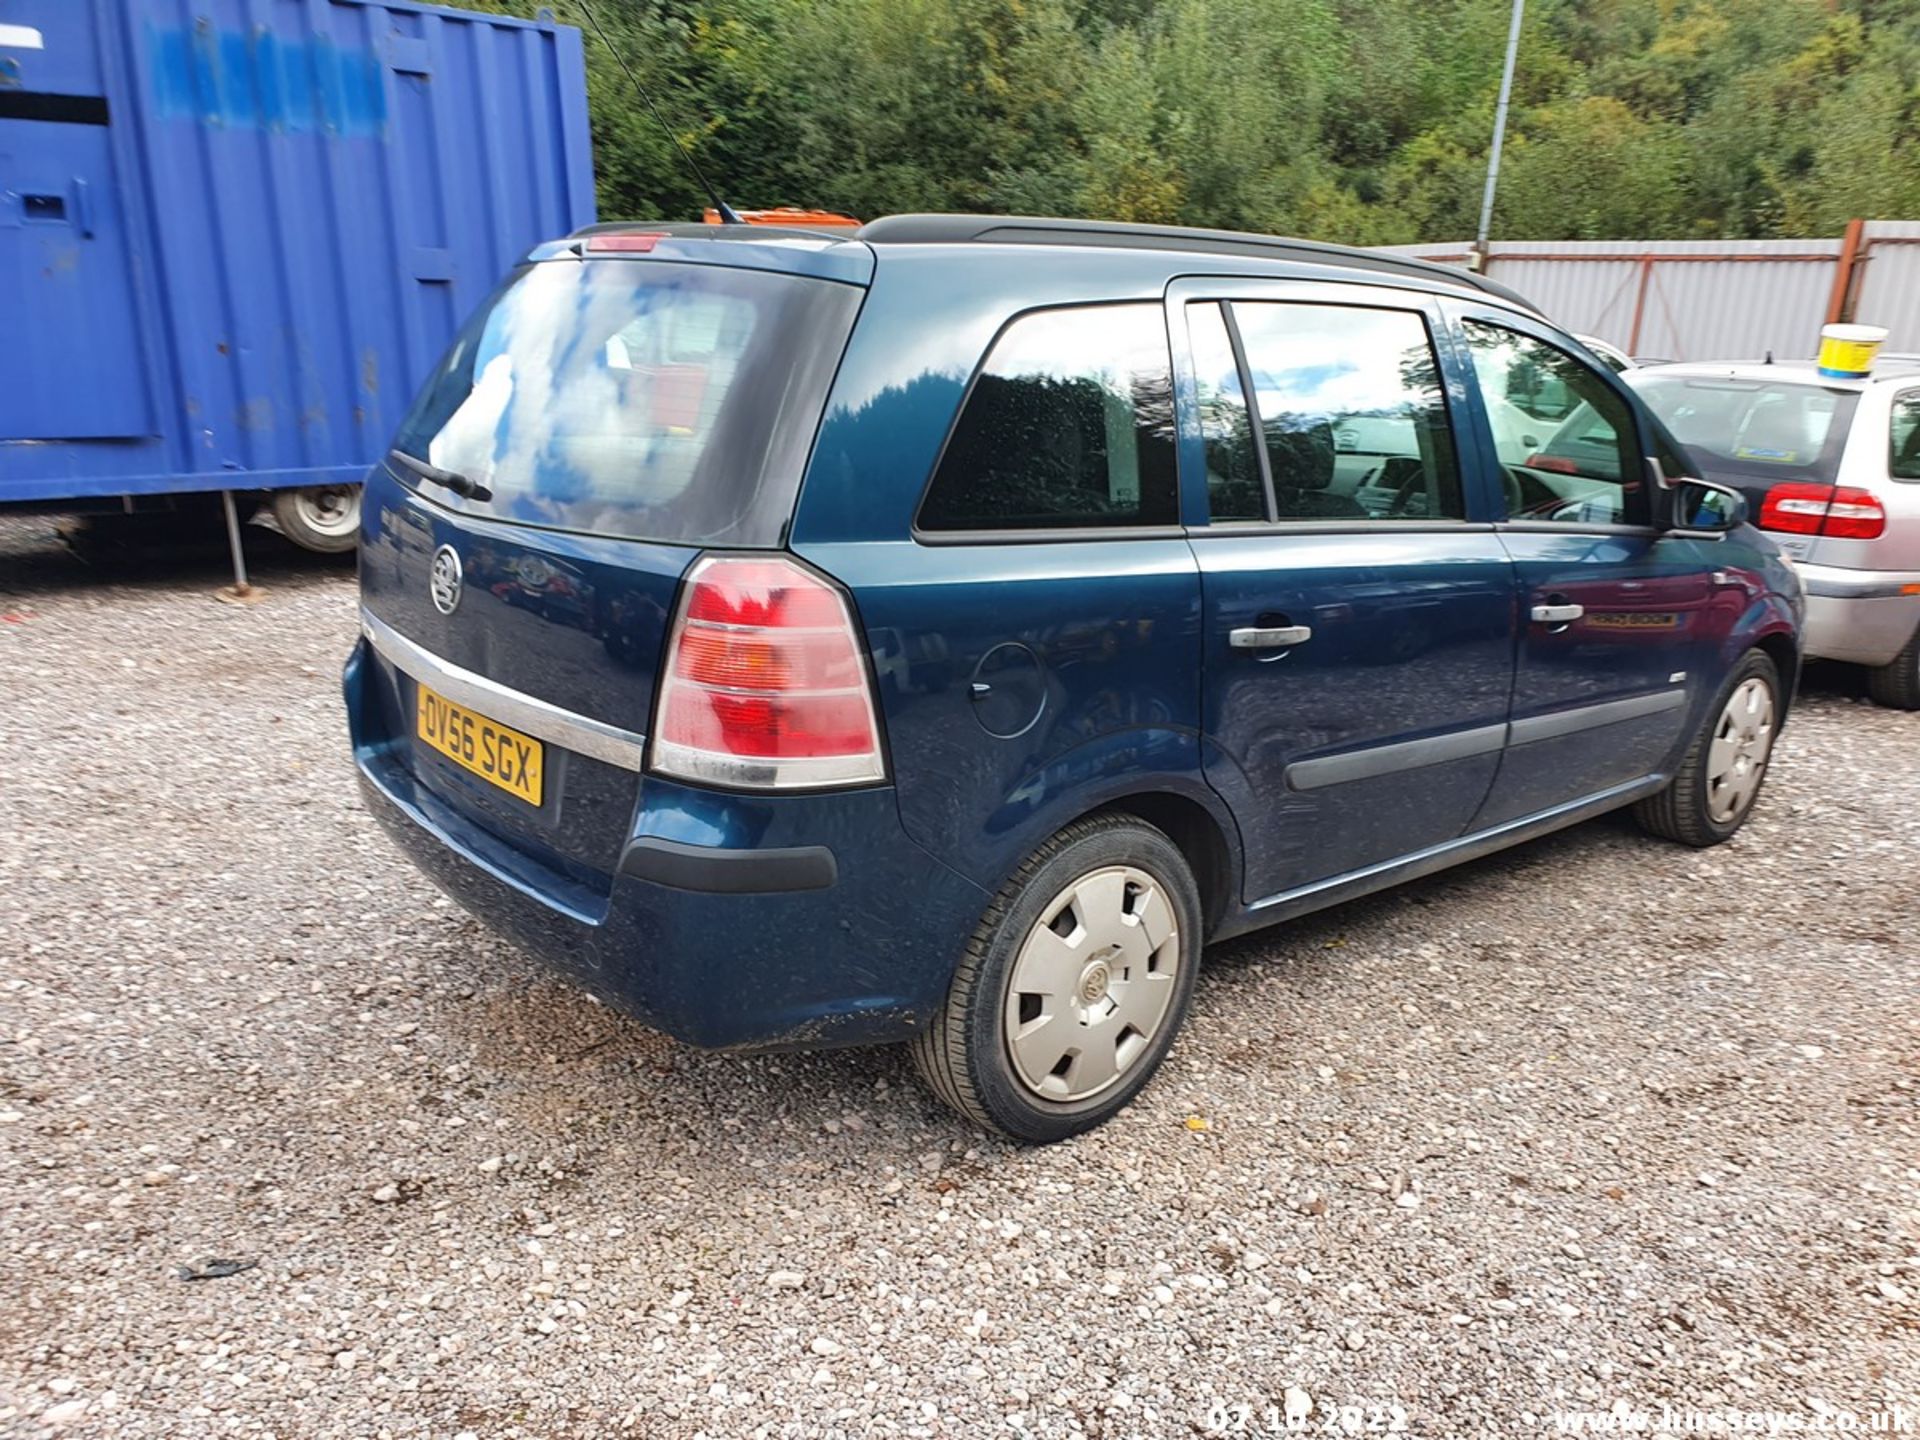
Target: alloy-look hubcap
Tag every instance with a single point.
(1092, 984)
(1737, 757)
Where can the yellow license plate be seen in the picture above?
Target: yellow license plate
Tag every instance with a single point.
(1633, 620)
(505, 757)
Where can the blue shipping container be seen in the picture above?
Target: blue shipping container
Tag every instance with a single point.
(235, 234)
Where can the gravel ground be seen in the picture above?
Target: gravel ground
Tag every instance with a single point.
(1597, 1121)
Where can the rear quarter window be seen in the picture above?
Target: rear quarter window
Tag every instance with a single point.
(1069, 424)
(1904, 461)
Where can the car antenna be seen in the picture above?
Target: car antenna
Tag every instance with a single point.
(1769, 359)
(725, 211)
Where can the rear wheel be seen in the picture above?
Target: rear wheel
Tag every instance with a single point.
(1071, 991)
(1720, 777)
(1897, 683)
(323, 518)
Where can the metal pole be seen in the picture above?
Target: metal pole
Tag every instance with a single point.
(240, 586)
(1499, 137)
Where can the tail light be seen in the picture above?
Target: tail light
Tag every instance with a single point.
(1855, 515)
(1842, 512)
(765, 685)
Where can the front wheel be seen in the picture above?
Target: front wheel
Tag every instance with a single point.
(1070, 993)
(321, 518)
(1719, 779)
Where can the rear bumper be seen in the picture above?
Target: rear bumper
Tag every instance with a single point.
(732, 921)
(1862, 616)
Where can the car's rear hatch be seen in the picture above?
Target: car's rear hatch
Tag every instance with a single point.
(1755, 434)
(607, 415)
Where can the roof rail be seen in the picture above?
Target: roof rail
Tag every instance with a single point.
(1039, 230)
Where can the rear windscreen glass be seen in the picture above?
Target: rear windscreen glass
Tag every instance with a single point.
(646, 399)
(1753, 430)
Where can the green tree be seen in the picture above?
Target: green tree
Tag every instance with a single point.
(1366, 121)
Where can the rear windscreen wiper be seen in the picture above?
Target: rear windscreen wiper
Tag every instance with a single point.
(452, 479)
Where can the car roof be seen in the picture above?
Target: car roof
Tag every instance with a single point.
(1888, 369)
(1045, 231)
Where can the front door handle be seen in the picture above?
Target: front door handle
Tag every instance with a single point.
(1557, 614)
(1253, 637)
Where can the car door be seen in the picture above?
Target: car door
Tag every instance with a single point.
(1614, 614)
(1357, 608)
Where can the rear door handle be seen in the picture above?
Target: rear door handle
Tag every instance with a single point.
(1252, 637)
(1557, 614)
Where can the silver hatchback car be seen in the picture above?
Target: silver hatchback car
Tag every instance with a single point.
(1831, 471)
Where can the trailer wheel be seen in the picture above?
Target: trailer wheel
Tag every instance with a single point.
(322, 518)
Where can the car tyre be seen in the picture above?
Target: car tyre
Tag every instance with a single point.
(1091, 950)
(1719, 780)
(1897, 683)
(322, 518)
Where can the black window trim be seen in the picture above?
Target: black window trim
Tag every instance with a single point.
(1252, 402)
(1421, 525)
(1224, 291)
(1231, 530)
(1040, 535)
(1047, 535)
(1532, 526)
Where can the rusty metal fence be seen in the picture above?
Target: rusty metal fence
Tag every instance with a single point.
(1716, 299)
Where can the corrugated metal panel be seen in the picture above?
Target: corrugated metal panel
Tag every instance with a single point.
(1590, 297)
(1889, 287)
(1696, 299)
(241, 277)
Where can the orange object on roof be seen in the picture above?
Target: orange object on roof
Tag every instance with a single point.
(790, 215)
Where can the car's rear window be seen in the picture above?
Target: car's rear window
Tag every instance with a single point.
(646, 399)
(1754, 430)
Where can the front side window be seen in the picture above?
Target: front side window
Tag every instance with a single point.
(1906, 436)
(1352, 412)
(1584, 469)
(1068, 425)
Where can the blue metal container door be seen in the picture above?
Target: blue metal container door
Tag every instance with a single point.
(64, 274)
(65, 281)
(292, 205)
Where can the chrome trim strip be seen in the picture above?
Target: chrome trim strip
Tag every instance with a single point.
(568, 730)
(1380, 760)
(1590, 717)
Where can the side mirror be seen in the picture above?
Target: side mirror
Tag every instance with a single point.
(1708, 507)
(1702, 507)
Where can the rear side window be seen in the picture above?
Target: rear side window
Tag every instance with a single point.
(1069, 425)
(1906, 436)
(1352, 412)
(636, 398)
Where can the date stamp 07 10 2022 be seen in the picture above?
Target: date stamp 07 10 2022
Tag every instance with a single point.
(1297, 1413)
